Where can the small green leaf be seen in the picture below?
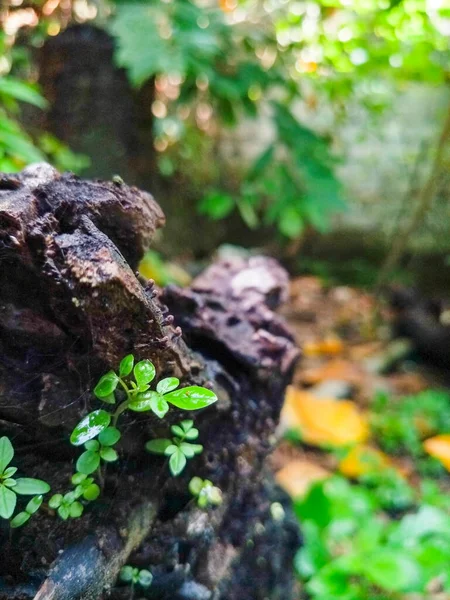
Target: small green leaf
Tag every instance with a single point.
(20, 519)
(126, 574)
(108, 454)
(197, 448)
(126, 365)
(78, 478)
(143, 401)
(28, 486)
(195, 486)
(176, 430)
(6, 453)
(187, 450)
(9, 472)
(76, 510)
(33, 505)
(90, 427)
(10, 483)
(191, 398)
(159, 405)
(88, 462)
(92, 445)
(55, 501)
(109, 436)
(106, 386)
(63, 512)
(70, 497)
(110, 399)
(92, 492)
(192, 434)
(158, 446)
(177, 462)
(144, 372)
(171, 449)
(187, 425)
(167, 385)
(145, 578)
(8, 501)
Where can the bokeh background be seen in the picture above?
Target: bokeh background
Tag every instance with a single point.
(279, 123)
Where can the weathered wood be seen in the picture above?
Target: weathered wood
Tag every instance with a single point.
(71, 306)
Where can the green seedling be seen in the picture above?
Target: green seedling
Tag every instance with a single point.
(10, 488)
(67, 505)
(135, 576)
(206, 493)
(178, 447)
(22, 517)
(133, 382)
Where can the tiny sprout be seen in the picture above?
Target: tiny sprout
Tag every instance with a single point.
(22, 517)
(206, 492)
(85, 487)
(177, 448)
(133, 576)
(67, 505)
(89, 461)
(9, 487)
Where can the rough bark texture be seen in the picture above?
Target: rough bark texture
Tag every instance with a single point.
(71, 306)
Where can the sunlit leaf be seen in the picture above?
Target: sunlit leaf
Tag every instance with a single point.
(90, 427)
(106, 386)
(191, 398)
(144, 372)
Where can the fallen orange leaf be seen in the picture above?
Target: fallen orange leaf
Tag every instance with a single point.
(334, 369)
(297, 476)
(324, 421)
(330, 345)
(439, 447)
(362, 460)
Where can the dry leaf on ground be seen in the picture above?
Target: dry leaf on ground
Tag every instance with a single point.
(334, 369)
(362, 460)
(439, 447)
(323, 421)
(297, 476)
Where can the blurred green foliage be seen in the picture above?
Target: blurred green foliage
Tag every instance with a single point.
(400, 425)
(355, 551)
(220, 77)
(17, 146)
(220, 63)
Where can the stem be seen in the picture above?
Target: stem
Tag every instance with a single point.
(123, 405)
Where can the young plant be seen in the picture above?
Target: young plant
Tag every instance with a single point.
(67, 505)
(89, 461)
(134, 576)
(138, 398)
(206, 492)
(10, 488)
(22, 517)
(179, 447)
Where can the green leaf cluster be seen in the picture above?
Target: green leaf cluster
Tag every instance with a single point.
(400, 425)
(135, 576)
(179, 447)
(206, 493)
(353, 551)
(11, 487)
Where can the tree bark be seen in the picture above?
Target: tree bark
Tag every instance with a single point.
(71, 306)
